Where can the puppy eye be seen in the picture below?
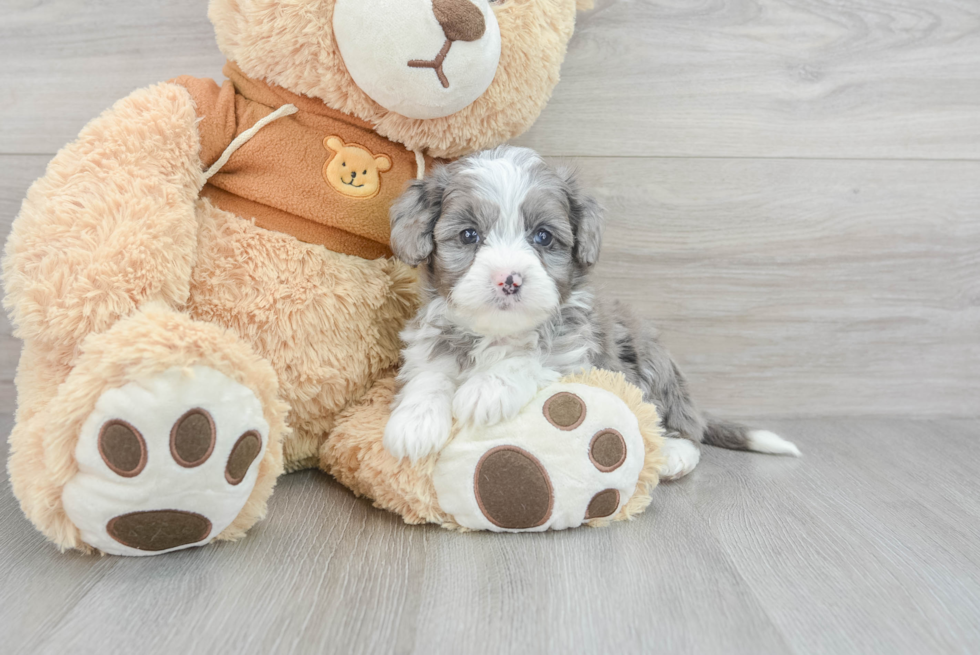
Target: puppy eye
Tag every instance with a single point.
(543, 238)
(469, 236)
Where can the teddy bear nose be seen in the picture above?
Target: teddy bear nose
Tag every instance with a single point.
(460, 19)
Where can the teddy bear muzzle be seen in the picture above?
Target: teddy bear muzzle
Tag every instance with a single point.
(419, 58)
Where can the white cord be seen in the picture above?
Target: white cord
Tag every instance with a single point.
(241, 139)
(419, 165)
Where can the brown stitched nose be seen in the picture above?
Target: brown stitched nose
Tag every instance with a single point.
(460, 19)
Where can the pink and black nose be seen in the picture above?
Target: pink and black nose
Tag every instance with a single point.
(508, 283)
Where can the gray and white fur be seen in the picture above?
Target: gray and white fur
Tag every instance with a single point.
(505, 245)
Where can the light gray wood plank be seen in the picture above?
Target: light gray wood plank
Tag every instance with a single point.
(38, 585)
(326, 573)
(785, 287)
(802, 287)
(659, 584)
(65, 61)
(867, 544)
(652, 77)
(779, 78)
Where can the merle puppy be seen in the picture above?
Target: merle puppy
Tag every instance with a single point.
(506, 245)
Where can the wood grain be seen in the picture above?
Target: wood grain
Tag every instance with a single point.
(737, 78)
(880, 514)
(794, 287)
(65, 61)
(776, 78)
(783, 287)
(861, 546)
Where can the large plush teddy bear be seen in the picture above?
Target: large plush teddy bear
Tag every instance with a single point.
(204, 287)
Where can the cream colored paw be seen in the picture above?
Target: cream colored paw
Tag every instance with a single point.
(572, 454)
(166, 463)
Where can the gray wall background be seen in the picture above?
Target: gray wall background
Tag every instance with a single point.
(793, 186)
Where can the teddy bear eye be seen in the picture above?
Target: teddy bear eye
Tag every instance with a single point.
(365, 172)
(344, 164)
(543, 238)
(469, 236)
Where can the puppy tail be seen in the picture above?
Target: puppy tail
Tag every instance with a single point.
(733, 436)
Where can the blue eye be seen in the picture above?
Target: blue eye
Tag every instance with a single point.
(469, 236)
(543, 238)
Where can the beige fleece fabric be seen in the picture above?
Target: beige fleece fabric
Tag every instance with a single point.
(318, 175)
(122, 263)
(534, 35)
(355, 455)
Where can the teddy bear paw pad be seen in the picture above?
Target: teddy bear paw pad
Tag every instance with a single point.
(166, 463)
(572, 455)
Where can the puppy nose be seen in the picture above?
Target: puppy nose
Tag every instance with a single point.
(460, 19)
(508, 283)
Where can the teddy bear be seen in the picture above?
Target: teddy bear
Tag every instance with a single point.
(207, 299)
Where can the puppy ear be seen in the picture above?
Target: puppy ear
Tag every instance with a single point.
(413, 218)
(587, 220)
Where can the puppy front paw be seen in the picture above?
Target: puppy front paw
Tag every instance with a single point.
(489, 399)
(418, 427)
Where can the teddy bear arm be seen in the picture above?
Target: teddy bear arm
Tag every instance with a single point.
(111, 223)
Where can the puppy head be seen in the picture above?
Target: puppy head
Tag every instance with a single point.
(503, 237)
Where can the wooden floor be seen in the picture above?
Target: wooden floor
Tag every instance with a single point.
(793, 190)
(867, 545)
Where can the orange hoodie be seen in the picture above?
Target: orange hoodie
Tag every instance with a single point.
(319, 175)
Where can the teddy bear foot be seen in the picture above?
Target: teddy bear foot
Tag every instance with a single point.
(573, 455)
(166, 463)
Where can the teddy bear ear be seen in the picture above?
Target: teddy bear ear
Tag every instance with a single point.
(333, 143)
(383, 162)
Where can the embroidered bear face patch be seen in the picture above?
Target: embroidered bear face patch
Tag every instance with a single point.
(353, 169)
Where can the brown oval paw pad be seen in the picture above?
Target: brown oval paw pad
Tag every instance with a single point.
(242, 455)
(565, 410)
(603, 504)
(192, 438)
(513, 489)
(607, 450)
(122, 448)
(159, 529)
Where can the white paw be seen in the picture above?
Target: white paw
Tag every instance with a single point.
(680, 458)
(572, 455)
(418, 426)
(487, 399)
(166, 463)
(764, 441)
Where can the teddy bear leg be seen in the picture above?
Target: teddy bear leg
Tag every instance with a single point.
(166, 434)
(354, 454)
(585, 450)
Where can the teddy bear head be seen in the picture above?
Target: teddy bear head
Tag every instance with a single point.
(443, 76)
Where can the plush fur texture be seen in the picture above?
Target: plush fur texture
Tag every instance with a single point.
(356, 457)
(116, 269)
(646, 415)
(42, 457)
(508, 244)
(291, 44)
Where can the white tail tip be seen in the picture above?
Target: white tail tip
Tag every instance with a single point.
(764, 441)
